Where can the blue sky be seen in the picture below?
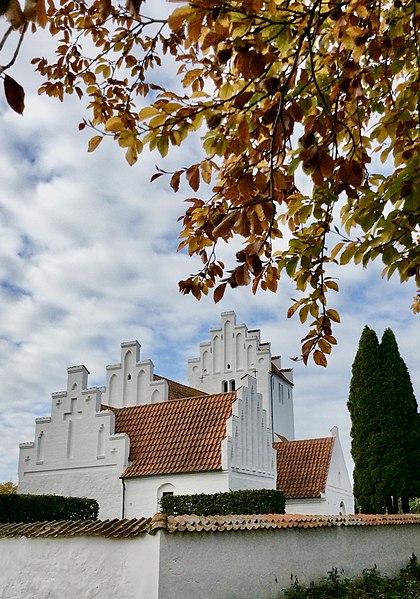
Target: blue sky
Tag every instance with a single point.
(88, 260)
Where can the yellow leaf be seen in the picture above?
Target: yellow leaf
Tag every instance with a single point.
(94, 143)
(147, 112)
(131, 156)
(179, 16)
(319, 358)
(332, 285)
(333, 314)
(114, 124)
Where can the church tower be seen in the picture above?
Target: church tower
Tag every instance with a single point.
(232, 353)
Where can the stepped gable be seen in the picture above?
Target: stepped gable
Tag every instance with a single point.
(302, 466)
(181, 435)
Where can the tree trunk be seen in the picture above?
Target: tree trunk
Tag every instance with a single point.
(405, 504)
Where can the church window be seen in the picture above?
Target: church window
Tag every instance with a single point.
(225, 386)
(163, 490)
(129, 377)
(232, 385)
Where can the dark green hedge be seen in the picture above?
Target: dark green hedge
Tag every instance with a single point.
(259, 501)
(37, 508)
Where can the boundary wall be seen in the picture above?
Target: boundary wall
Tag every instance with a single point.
(190, 557)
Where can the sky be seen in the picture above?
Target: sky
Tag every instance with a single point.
(88, 260)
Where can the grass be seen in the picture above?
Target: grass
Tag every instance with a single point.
(371, 585)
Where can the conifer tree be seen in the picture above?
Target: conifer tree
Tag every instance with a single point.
(385, 427)
(400, 451)
(363, 404)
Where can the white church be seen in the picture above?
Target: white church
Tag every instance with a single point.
(142, 435)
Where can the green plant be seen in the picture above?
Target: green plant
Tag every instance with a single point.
(37, 508)
(259, 501)
(371, 585)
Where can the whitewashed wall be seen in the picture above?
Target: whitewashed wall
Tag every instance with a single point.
(232, 352)
(260, 563)
(143, 493)
(79, 567)
(130, 382)
(75, 451)
(205, 565)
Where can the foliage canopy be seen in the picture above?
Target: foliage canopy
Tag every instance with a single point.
(298, 102)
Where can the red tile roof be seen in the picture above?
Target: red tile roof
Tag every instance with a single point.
(78, 528)
(302, 466)
(172, 524)
(278, 521)
(182, 435)
(178, 390)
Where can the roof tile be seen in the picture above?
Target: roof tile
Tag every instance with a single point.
(172, 524)
(302, 466)
(182, 435)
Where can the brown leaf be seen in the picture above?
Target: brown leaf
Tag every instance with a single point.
(246, 185)
(350, 173)
(14, 14)
(254, 264)
(326, 163)
(105, 8)
(133, 6)
(296, 111)
(225, 226)
(242, 275)
(175, 180)
(219, 292)
(320, 358)
(15, 94)
(193, 177)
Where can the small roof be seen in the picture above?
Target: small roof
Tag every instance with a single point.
(178, 390)
(182, 435)
(302, 466)
(280, 372)
(196, 524)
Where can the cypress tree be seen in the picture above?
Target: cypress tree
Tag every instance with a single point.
(400, 447)
(385, 427)
(363, 405)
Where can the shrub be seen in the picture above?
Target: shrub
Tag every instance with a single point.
(259, 501)
(37, 508)
(370, 586)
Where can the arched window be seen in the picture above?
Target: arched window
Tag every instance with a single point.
(225, 386)
(165, 489)
(232, 385)
(342, 511)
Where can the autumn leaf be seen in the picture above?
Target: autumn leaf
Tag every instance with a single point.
(15, 94)
(193, 176)
(293, 101)
(94, 142)
(219, 292)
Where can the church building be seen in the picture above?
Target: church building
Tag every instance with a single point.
(142, 435)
